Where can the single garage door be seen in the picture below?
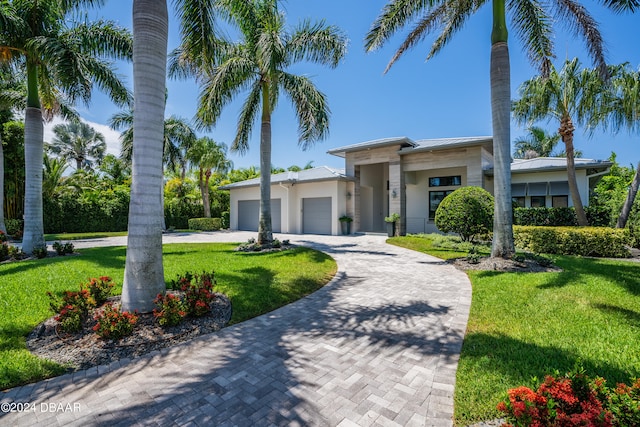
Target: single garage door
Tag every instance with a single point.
(249, 214)
(316, 215)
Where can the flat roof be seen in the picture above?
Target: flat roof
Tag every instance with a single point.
(555, 163)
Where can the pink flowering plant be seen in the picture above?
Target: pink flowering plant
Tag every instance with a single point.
(171, 309)
(572, 400)
(111, 323)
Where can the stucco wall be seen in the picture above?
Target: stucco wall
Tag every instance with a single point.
(581, 177)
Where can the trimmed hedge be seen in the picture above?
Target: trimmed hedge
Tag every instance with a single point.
(177, 214)
(468, 211)
(560, 217)
(205, 224)
(585, 241)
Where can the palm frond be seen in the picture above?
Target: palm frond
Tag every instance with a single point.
(102, 39)
(247, 119)
(622, 5)
(578, 19)
(311, 108)
(198, 28)
(318, 43)
(455, 16)
(395, 15)
(534, 28)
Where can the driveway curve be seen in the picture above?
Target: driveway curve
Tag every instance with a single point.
(378, 345)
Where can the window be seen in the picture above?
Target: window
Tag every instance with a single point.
(538, 201)
(519, 201)
(560, 201)
(435, 197)
(445, 181)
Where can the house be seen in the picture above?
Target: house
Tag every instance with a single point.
(400, 175)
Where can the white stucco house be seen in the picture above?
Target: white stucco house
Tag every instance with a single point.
(400, 175)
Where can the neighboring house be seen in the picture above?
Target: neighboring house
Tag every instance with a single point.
(399, 175)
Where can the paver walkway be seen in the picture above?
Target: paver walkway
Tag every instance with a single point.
(379, 345)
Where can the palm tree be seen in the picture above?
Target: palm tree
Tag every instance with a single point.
(258, 63)
(60, 61)
(144, 273)
(53, 176)
(209, 157)
(573, 96)
(624, 112)
(538, 143)
(533, 25)
(78, 141)
(178, 137)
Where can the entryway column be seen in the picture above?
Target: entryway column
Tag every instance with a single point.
(397, 199)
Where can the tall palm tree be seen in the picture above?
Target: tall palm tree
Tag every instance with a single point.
(572, 96)
(532, 22)
(209, 157)
(77, 141)
(538, 143)
(60, 60)
(257, 63)
(144, 273)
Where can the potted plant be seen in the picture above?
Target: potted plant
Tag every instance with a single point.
(391, 223)
(345, 223)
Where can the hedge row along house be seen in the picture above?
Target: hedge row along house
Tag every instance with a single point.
(400, 175)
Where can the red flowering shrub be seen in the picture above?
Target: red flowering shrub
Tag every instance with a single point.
(99, 288)
(198, 292)
(113, 323)
(171, 309)
(72, 310)
(573, 400)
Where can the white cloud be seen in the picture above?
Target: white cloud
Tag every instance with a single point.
(111, 136)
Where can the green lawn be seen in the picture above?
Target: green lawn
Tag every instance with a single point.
(80, 236)
(256, 283)
(526, 325)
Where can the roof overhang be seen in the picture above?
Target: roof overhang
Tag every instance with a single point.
(401, 141)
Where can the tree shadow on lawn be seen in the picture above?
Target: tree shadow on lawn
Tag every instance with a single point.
(520, 361)
(329, 356)
(630, 317)
(624, 274)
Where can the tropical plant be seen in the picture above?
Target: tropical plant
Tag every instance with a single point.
(259, 63)
(52, 176)
(178, 137)
(572, 96)
(533, 24)
(209, 157)
(144, 273)
(538, 143)
(62, 59)
(624, 112)
(78, 141)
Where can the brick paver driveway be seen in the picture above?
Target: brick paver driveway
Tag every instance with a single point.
(379, 345)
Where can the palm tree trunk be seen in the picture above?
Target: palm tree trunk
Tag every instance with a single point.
(631, 197)
(144, 275)
(205, 195)
(265, 234)
(3, 227)
(566, 132)
(502, 245)
(33, 151)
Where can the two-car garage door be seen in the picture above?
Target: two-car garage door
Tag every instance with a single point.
(249, 215)
(316, 215)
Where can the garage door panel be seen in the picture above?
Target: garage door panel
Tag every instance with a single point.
(249, 215)
(316, 215)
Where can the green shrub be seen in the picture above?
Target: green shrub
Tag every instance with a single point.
(585, 241)
(205, 224)
(13, 226)
(226, 219)
(468, 211)
(560, 217)
(113, 324)
(177, 213)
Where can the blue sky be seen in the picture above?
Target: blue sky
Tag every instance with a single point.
(447, 96)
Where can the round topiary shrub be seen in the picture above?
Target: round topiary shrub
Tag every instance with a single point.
(468, 211)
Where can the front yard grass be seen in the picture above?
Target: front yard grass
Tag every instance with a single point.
(256, 283)
(527, 325)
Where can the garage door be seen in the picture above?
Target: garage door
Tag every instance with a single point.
(316, 215)
(249, 214)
